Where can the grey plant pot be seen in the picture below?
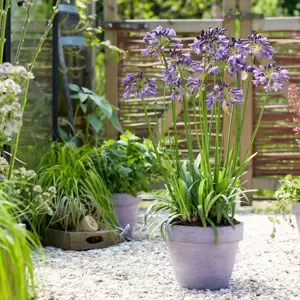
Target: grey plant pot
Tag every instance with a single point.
(199, 263)
(296, 212)
(126, 208)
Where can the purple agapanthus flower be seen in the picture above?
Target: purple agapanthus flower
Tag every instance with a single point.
(236, 63)
(240, 46)
(225, 95)
(272, 77)
(159, 39)
(259, 46)
(194, 84)
(210, 40)
(143, 86)
(181, 66)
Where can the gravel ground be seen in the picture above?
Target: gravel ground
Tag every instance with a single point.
(141, 269)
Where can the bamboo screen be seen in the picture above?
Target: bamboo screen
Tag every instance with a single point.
(276, 143)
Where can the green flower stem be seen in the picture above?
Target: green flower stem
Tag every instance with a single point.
(153, 140)
(217, 152)
(195, 122)
(174, 117)
(241, 169)
(3, 27)
(22, 38)
(24, 98)
(187, 128)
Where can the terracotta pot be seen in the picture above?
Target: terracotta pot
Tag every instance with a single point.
(199, 263)
(296, 212)
(126, 208)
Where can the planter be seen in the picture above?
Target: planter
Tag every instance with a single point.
(296, 212)
(199, 263)
(126, 209)
(76, 240)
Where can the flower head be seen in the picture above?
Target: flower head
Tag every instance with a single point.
(159, 39)
(211, 40)
(225, 95)
(179, 74)
(143, 86)
(272, 77)
(259, 45)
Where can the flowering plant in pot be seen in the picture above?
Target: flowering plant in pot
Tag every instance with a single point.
(201, 230)
(128, 166)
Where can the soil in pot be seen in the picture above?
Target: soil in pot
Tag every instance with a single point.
(197, 261)
(126, 209)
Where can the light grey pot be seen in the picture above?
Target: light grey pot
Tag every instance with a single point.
(199, 263)
(126, 208)
(296, 212)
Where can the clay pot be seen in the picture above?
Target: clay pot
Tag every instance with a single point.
(126, 208)
(199, 263)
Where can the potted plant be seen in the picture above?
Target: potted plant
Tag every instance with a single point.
(288, 196)
(201, 230)
(128, 167)
(71, 199)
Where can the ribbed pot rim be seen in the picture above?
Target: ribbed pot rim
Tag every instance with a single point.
(123, 199)
(204, 235)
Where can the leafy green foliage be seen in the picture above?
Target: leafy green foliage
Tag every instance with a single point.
(80, 191)
(91, 112)
(16, 269)
(288, 193)
(127, 164)
(192, 201)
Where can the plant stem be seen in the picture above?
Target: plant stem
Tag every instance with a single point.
(240, 170)
(3, 27)
(22, 38)
(187, 128)
(24, 98)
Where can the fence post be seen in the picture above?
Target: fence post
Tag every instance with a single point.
(229, 6)
(111, 66)
(245, 31)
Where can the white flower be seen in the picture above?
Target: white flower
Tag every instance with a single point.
(11, 126)
(37, 188)
(52, 189)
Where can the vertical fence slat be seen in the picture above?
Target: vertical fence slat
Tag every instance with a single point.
(245, 31)
(229, 6)
(111, 66)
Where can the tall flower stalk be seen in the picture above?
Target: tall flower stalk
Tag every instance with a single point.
(202, 189)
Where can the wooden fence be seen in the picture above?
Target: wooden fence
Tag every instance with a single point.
(277, 146)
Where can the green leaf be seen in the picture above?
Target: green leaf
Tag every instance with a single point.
(75, 96)
(115, 122)
(214, 228)
(73, 87)
(95, 122)
(87, 91)
(63, 134)
(103, 104)
(201, 214)
(83, 107)
(82, 97)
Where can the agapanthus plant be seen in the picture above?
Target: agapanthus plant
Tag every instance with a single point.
(200, 190)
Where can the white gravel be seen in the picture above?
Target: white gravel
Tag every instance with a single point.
(265, 269)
